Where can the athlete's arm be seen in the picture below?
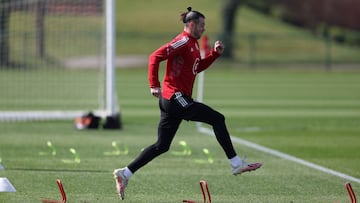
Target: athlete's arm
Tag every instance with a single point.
(164, 52)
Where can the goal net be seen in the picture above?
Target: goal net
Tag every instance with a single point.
(56, 59)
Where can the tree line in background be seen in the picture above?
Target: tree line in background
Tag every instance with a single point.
(336, 19)
(40, 8)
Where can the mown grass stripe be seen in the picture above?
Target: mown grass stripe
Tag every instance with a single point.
(284, 156)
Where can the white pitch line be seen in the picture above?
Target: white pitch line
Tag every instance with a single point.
(283, 155)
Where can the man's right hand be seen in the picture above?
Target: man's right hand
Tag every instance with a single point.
(155, 91)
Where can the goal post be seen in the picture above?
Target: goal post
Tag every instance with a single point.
(57, 60)
(113, 119)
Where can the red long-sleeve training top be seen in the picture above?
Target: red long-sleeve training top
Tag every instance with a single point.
(183, 63)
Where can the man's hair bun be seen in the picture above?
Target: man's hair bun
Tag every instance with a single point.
(190, 15)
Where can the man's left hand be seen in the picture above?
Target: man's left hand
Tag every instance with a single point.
(219, 47)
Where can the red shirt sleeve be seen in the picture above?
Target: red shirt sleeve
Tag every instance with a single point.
(161, 54)
(207, 61)
(153, 67)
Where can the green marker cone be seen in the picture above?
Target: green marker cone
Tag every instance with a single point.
(116, 149)
(51, 147)
(186, 150)
(208, 155)
(76, 157)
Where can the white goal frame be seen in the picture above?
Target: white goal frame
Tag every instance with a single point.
(111, 108)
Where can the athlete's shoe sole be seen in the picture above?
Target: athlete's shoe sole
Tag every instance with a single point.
(121, 182)
(246, 167)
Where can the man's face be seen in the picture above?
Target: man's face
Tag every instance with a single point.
(197, 28)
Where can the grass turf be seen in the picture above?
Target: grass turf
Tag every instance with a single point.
(313, 115)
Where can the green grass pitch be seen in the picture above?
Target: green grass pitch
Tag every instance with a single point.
(310, 114)
(313, 115)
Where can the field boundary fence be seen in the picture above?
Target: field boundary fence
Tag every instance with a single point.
(258, 49)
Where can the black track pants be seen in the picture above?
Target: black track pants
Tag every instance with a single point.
(173, 111)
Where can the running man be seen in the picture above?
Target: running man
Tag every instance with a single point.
(183, 62)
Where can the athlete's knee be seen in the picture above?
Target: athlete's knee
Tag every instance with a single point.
(161, 148)
(221, 117)
(218, 117)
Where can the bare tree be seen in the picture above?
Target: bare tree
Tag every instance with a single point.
(40, 28)
(6, 6)
(228, 11)
(4, 32)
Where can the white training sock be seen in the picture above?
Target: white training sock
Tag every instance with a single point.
(235, 161)
(127, 173)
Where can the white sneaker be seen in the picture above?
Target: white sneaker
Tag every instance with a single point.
(121, 182)
(245, 167)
